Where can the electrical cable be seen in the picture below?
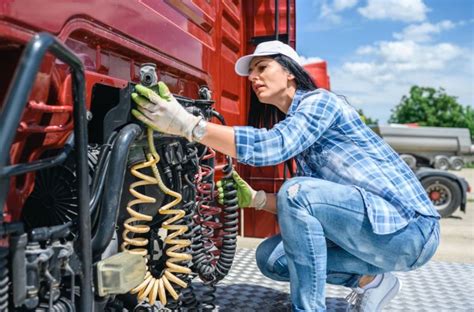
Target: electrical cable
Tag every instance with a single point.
(4, 279)
(213, 256)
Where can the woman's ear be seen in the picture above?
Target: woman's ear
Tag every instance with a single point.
(291, 77)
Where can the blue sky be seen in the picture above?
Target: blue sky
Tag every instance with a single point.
(377, 49)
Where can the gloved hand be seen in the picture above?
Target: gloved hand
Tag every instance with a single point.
(160, 111)
(246, 195)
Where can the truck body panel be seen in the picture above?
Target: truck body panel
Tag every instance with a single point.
(193, 43)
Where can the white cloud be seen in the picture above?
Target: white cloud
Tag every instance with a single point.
(398, 10)
(423, 32)
(377, 75)
(329, 15)
(377, 99)
(373, 72)
(403, 56)
(463, 23)
(340, 5)
(330, 10)
(383, 72)
(365, 50)
(308, 60)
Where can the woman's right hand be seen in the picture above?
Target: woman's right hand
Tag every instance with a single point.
(158, 109)
(245, 193)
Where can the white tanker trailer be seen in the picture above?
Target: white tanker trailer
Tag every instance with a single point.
(437, 147)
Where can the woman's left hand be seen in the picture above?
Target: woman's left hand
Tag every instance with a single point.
(246, 195)
(162, 112)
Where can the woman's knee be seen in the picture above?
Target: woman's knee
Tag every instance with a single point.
(295, 192)
(300, 192)
(290, 190)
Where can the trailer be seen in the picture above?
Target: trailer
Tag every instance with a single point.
(436, 147)
(430, 152)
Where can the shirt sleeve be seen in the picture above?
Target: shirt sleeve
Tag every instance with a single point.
(261, 147)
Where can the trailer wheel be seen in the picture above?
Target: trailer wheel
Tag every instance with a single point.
(456, 163)
(441, 162)
(444, 193)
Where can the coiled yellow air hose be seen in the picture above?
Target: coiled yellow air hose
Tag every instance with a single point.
(153, 287)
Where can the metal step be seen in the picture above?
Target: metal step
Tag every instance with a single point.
(437, 286)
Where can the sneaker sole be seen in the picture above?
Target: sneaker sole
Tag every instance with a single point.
(390, 295)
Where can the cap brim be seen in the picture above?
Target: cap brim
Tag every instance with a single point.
(242, 65)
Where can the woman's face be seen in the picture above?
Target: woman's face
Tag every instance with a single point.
(270, 81)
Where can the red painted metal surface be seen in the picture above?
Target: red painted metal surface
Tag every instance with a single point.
(260, 22)
(193, 43)
(319, 73)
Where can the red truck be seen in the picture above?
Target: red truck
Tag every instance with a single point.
(83, 224)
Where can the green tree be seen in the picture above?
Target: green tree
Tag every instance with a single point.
(469, 115)
(367, 120)
(435, 108)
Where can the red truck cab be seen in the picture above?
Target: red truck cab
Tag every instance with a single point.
(70, 68)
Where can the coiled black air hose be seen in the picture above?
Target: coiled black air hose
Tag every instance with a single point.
(4, 279)
(229, 241)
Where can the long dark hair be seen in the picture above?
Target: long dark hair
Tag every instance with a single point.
(264, 115)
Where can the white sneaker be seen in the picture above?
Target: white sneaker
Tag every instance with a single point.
(375, 298)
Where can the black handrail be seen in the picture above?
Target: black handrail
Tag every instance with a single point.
(284, 37)
(18, 169)
(277, 19)
(288, 16)
(15, 101)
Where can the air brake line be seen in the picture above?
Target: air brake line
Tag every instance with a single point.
(198, 243)
(156, 287)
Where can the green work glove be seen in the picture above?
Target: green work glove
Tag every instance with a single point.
(158, 109)
(246, 195)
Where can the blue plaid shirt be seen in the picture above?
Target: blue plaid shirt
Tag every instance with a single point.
(329, 141)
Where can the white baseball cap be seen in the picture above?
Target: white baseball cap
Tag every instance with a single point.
(263, 49)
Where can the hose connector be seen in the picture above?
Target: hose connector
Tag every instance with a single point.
(148, 75)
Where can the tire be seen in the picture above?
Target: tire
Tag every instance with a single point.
(410, 160)
(444, 193)
(456, 163)
(441, 162)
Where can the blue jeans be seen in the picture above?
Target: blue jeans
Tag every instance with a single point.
(326, 236)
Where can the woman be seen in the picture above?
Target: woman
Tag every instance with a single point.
(355, 213)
